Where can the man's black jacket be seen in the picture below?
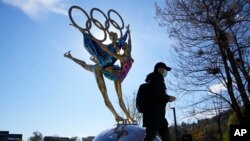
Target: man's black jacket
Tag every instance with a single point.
(156, 100)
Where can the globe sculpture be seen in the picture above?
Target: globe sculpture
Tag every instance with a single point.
(123, 133)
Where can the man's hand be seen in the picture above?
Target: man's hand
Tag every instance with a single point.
(172, 98)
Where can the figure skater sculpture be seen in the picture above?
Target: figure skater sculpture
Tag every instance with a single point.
(104, 57)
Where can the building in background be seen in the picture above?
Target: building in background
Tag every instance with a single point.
(50, 138)
(89, 138)
(5, 136)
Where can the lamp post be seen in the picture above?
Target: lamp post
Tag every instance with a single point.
(175, 123)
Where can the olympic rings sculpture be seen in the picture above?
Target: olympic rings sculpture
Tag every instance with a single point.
(93, 21)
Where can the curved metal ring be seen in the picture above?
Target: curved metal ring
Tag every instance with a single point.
(101, 27)
(72, 20)
(109, 12)
(88, 25)
(115, 24)
(96, 22)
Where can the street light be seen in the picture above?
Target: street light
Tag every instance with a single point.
(175, 124)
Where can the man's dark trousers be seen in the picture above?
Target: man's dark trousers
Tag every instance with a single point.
(162, 130)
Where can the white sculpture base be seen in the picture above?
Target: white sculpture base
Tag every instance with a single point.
(123, 132)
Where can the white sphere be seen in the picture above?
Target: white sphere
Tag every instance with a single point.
(123, 132)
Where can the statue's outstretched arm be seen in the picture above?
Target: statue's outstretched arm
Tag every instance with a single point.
(128, 45)
(77, 27)
(115, 55)
(106, 49)
(129, 38)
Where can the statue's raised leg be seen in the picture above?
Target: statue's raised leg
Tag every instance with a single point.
(80, 62)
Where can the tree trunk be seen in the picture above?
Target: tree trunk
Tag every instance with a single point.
(241, 65)
(223, 43)
(229, 83)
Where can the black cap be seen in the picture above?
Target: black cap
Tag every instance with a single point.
(162, 65)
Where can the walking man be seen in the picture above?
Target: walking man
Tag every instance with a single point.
(154, 116)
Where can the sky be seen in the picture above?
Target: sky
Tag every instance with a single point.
(40, 90)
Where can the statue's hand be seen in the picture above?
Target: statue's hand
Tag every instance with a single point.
(81, 30)
(127, 27)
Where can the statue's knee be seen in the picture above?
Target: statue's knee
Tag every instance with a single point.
(97, 68)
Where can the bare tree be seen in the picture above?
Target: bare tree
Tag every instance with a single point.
(212, 47)
(131, 105)
(37, 136)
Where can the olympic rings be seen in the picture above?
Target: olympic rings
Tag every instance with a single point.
(92, 20)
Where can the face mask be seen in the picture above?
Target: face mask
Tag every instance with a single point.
(165, 73)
